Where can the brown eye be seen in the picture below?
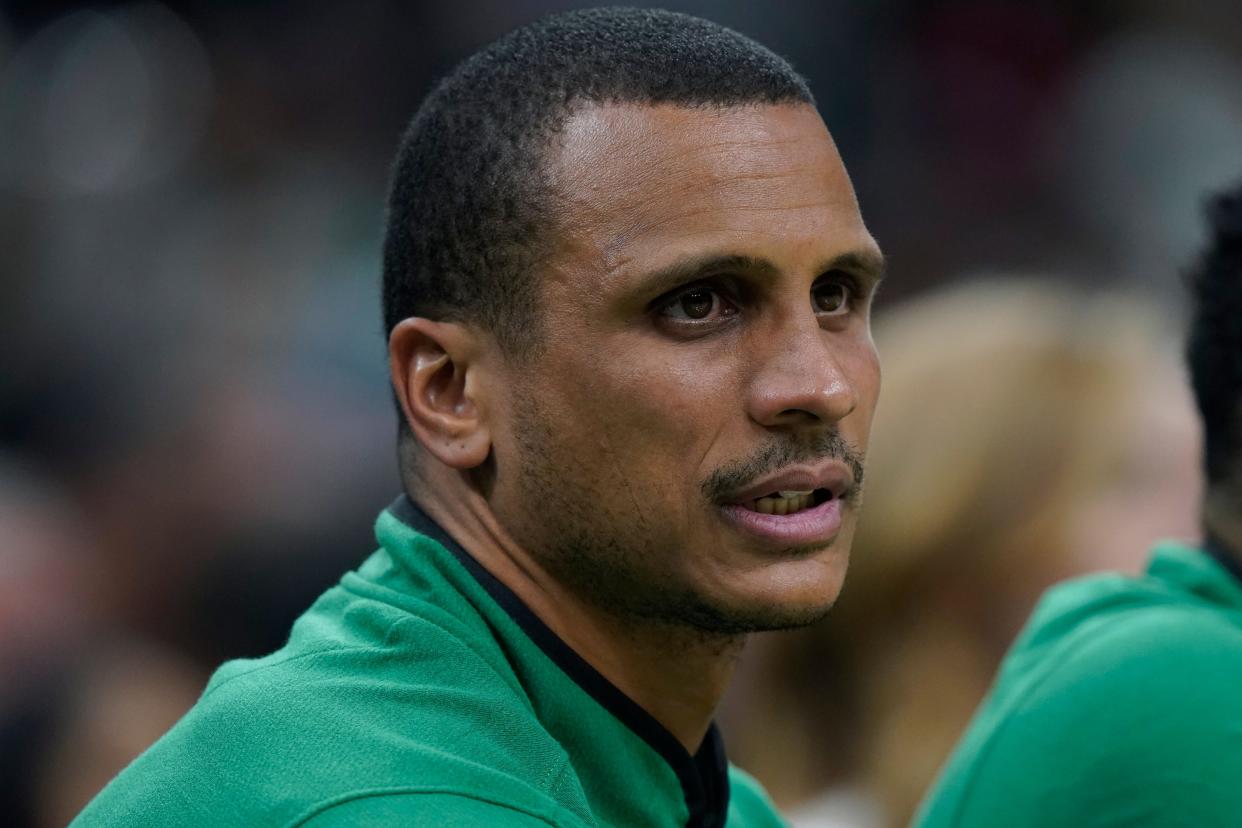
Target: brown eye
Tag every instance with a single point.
(697, 304)
(699, 308)
(831, 297)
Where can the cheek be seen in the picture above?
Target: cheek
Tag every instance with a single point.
(638, 431)
(654, 406)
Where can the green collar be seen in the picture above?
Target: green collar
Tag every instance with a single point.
(587, 714)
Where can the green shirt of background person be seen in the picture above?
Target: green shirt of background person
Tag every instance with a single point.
(627, 292)
(1119, 704)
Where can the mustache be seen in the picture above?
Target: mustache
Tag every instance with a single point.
(779, 454)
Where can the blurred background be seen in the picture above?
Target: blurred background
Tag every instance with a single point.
(195, 428)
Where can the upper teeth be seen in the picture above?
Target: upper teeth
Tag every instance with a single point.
(784, 503)
(789, 493)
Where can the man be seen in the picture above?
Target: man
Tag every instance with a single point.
(1121, 702)
(627, 289)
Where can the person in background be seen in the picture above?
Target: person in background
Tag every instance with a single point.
(1030, 430)
(1119, 703)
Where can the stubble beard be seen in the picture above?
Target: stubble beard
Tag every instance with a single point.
(611, 559)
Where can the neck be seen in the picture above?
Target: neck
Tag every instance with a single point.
(678, 675)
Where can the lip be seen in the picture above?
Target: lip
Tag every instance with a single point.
(830, 474)
(818, 524)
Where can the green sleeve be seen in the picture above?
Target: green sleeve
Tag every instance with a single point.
(1136, 724)
(441, 810)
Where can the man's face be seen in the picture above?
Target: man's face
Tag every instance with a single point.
(705, 344)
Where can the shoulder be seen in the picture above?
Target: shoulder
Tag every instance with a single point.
(446, 809)
(1136, 690)
(1134, 710)
(1148, 656)
(749, 804)
(412, 702)
(1120, 638)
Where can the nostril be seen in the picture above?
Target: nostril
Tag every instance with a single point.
(798, 414)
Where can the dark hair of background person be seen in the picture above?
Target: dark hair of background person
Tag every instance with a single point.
(1214, 348)
(469, 207)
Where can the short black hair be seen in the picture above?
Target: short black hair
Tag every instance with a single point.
(1214, 345)
(469, 210)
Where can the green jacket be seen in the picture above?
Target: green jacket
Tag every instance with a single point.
(421, 691)
(1119, 705)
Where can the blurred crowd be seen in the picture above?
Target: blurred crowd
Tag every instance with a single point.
(195, 427)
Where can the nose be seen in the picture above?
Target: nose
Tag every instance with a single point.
(803, 381)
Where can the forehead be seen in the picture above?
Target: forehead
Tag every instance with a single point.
(637, 182)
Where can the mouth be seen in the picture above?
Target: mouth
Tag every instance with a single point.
(797, 506)
(787, 518)
(788, 502)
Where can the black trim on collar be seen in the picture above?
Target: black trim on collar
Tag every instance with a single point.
(1223, 556)
(704, 776)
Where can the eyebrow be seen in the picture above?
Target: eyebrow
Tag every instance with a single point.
(862, 262)
(870, 263)
(700, 267)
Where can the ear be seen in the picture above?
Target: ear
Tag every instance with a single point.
(436, 370)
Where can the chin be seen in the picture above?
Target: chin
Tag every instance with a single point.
(742, 620)
(781, 596)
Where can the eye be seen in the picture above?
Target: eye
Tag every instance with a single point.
(697, 304)
(833, 295)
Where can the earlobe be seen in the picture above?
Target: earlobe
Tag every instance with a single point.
(435, 374)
